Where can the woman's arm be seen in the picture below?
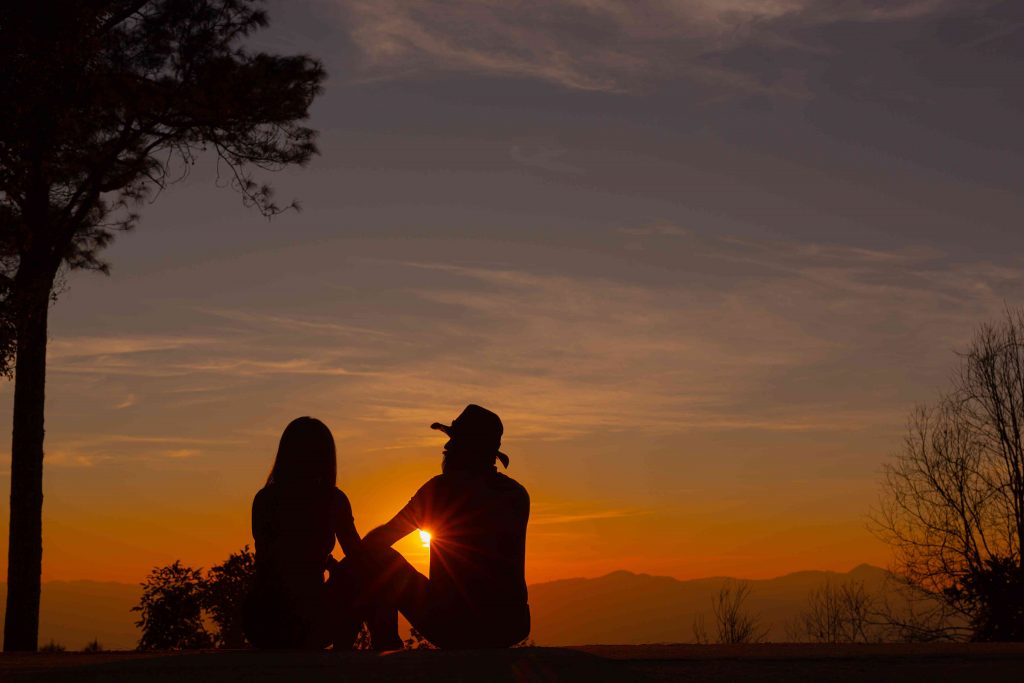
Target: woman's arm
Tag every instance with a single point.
(344, 525)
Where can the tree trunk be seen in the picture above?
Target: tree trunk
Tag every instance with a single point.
(25, 549)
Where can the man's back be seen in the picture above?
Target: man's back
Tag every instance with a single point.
(476, 593)
(477, 522)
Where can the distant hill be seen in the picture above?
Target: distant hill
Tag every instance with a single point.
(74, 613)
(627, 608)
(622, 607)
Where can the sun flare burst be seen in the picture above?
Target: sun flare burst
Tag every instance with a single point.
(425, 538)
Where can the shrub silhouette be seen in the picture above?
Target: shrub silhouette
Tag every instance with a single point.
(179, 602)
(996, 594)
(223, 592)
(171, 609)
(52, 646)
(416, 641)
(363, 641)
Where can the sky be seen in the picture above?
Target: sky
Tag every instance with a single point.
(703, 257)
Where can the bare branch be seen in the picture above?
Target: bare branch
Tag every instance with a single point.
(952, 501)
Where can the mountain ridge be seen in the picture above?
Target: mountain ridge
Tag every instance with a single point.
(620, 607)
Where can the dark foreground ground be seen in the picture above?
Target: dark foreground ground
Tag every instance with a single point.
(977, 663)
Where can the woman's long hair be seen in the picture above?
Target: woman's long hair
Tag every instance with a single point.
(306, 456)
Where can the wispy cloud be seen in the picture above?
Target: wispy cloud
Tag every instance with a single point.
(547, 159)
(663, 229)
(999, 32)
(62, 458)
(180, 453)
(544, 517)
(291, 323)
(570, 354)
(90, 450)
(605, 45)
(162, 440)
(129, 401)
(251, 367)
(698, 332)
(237, 353)
(117, 345)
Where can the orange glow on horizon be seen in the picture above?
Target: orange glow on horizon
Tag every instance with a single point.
(579, 527)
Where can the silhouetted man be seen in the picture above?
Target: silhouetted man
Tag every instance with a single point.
(476, 518)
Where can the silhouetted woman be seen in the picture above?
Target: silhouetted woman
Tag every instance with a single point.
(295, 518)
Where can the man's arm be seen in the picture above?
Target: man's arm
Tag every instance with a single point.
(387, 535)
(405, 522)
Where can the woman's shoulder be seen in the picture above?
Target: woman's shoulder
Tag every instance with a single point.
(340, 507)
(338, 498)
(262, 497)
(262, 509)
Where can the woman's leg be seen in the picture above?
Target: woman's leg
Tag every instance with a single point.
(270, 621)
(342, 618)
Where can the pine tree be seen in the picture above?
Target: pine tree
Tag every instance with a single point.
(104, 103)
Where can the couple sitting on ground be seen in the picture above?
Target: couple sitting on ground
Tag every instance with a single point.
(476, 517)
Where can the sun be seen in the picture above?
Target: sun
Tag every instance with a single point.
(425, 538)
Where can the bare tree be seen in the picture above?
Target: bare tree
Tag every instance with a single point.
(700, 630)
(733, 622)
(906, 613)
(838, 613)
(952, 502)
